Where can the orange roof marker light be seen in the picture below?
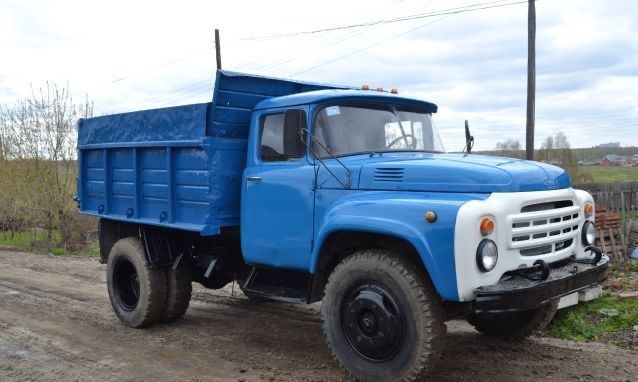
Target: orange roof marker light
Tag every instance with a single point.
(365, 87)
(379, 89)
(394, 90)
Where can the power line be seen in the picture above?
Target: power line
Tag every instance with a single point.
(178, 93)
(450, 11)
(200, 89)
(267, 62)
(184, 91)
(134, 74)
(278, 62)
(371, 46)
(340, 39)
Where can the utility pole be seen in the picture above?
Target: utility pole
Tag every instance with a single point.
(531, 80)
(218, 50)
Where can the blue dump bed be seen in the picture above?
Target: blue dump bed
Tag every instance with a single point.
(177, 167)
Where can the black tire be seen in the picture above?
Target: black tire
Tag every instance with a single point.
(179, 287)
(137, 292)
(398, 339)
(514, 326)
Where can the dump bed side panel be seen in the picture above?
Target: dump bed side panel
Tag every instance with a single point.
(179, 123)
(177, 167)
(165, 185)
(158, 167)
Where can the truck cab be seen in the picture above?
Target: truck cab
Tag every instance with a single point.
(344, 196)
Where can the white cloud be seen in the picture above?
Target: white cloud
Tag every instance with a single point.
(140, 54)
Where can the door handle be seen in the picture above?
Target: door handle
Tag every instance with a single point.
(253, 178)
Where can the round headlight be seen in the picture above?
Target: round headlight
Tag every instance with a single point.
(589, 233)
(486, 255)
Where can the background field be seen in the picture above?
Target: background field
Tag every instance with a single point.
(611, 174)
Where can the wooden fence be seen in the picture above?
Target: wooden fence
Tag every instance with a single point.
(621, 197)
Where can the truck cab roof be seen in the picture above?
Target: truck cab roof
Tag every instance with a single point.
(339, 95)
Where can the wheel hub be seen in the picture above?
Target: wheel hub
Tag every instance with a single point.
(373, 322)
(126, 283)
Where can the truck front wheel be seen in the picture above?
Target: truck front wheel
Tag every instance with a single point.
(382, 318)
(514, 326)
(137, 292)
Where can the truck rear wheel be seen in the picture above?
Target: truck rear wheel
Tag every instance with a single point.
(137, 292)
(514, 326)
(382, 318)
(179, 286)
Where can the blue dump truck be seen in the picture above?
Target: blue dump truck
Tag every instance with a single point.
(304, 192)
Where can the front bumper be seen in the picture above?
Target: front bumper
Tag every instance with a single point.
(514, 293)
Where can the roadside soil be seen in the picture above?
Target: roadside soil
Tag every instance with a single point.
(56, 324)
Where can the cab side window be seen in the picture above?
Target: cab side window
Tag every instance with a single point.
(272, 138)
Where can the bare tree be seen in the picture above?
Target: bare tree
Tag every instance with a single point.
(38, 139)
(556, 150)
(547, 150)
(509, 148)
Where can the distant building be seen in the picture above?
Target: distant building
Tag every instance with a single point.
(634, 160)
(609, 145)
(614, 160)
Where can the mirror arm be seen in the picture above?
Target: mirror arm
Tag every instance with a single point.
(345, 184)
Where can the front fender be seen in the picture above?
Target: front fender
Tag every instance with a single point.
(402, 215)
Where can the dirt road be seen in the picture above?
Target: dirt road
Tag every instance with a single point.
(56, 324)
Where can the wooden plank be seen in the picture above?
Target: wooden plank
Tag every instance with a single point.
(617, 256)
(623, 243)
(602, 241)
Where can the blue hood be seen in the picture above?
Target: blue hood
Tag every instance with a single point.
(459, 173)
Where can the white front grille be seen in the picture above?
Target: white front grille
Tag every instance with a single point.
(544, 232)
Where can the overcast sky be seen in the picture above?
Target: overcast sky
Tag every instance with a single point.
(130, 55)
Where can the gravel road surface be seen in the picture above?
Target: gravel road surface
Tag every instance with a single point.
(56, 324)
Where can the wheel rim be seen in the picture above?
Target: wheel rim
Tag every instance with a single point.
(126, 283)
(372, 321)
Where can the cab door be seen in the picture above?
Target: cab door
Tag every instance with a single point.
(277, 206)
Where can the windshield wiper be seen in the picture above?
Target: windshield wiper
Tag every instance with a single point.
(345, 184)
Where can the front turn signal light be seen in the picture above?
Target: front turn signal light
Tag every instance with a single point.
(487, 226)
(589, 209)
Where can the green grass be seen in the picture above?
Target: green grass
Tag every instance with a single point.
(37, 242)
(93, 250)
(30, 241)
(626, 217)
(59, 251)
(23, 240)
(603, 174)
(589, 321)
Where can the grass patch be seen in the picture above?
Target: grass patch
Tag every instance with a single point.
(35, 241)
(612, 174)
(59, 251)
(593, 320)
(26, 240)
(93, 250)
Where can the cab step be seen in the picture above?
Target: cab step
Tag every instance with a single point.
(276, 284)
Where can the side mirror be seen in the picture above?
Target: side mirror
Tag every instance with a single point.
(469, 139)
(294, 125)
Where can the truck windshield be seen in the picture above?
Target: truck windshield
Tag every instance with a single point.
(356, 129)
